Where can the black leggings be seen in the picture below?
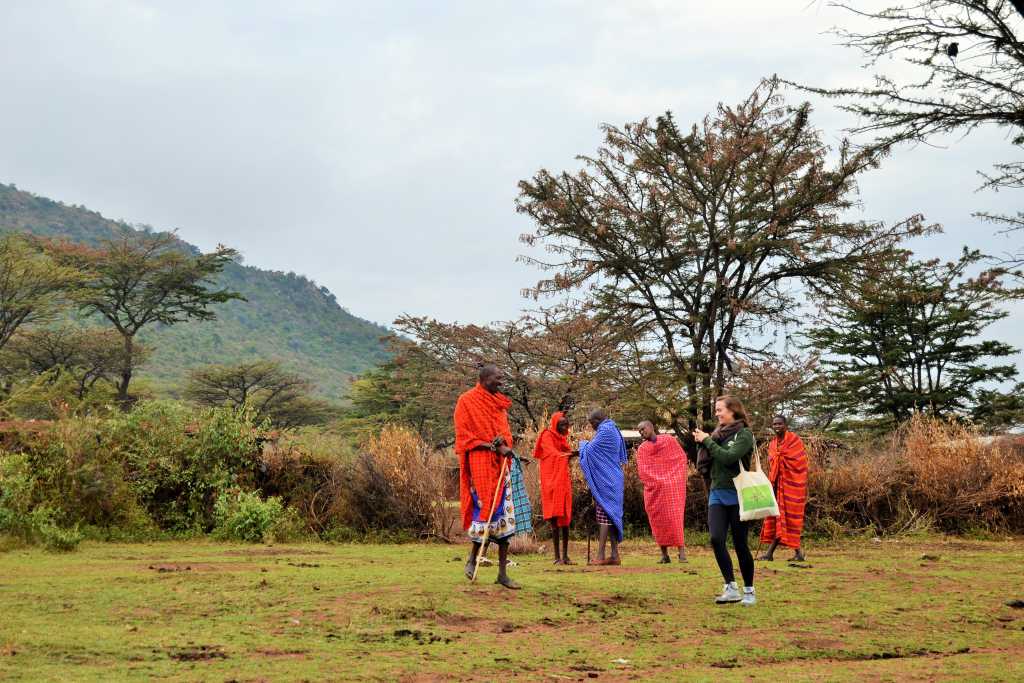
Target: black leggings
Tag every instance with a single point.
(720, 518)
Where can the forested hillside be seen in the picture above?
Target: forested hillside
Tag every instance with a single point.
(286, 316)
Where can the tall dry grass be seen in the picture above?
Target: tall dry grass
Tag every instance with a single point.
(406, 480)
(929, 474)
(393, 485)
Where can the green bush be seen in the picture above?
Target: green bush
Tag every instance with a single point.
(47, 533)
(53, 395)
(180, 460)
(244, 516)
(16, 485)
(157, 469)
(22, 516)
(80, 475)
(290, 527)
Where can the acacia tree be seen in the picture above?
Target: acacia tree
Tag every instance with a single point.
(968, 64)
(271, 391)
(32, 285)
(144, 279)
(907, 340)
(554, 359)
(87, 355)
(688, 240)
(411, 388)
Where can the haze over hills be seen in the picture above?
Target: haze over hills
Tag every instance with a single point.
(286, 316)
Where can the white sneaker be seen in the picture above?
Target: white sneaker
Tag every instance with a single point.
(749, 599)
(730, 593)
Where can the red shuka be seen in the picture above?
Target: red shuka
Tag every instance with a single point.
(788, 473)
(661, 465)
(552, 450)
(479, 417)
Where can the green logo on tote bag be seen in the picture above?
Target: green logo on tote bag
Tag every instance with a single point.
(757, 497)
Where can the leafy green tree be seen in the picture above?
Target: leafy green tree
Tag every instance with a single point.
(272, 392)
(32, 285)
(414, 388)
(689, 241)
(142, 280)
(907, 340)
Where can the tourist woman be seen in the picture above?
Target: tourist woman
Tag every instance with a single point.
(731, 443)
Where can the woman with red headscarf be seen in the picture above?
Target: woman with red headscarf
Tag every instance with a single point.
(553, 451)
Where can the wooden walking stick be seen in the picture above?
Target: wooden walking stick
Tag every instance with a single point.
(494, 504)
(590, 528)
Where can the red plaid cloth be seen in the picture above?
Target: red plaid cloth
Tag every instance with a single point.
(788, 473)
(661, 465)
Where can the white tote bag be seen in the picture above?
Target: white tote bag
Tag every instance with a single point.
(755, 492)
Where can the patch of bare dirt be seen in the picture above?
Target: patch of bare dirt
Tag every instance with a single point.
(200, 567)
(196, 653)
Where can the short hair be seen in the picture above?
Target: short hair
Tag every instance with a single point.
(488, 369)
(733, 405)
(781, 417)
(597, 415)
(646, 422)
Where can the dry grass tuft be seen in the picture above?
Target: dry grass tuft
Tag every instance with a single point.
(930, 473)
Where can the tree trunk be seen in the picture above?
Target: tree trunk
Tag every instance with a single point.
(123, 399)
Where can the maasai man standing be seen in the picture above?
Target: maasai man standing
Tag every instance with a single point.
(788, 474)
(601, 461)
(482, 439)
(661, 464)
(553, 451)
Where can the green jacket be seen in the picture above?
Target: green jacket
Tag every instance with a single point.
(725, 458)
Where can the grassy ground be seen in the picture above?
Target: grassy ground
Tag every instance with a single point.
(921, 609)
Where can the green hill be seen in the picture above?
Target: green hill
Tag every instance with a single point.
(287, 316)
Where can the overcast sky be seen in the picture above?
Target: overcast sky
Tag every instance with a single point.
(375, 146)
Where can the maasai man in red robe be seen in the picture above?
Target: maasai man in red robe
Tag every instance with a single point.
(553, 451)
(788, 474)
(482, 439)
(661, 464)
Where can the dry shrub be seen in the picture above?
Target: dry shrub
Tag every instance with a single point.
(855, 493)
(396, 483)
(932, 473)
(309, 478)
(960, 478)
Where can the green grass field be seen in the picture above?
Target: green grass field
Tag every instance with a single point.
(918, 609)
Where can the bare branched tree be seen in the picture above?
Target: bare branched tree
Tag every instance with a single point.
(968, 64)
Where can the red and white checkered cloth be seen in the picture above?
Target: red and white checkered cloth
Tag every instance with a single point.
(661, 465)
